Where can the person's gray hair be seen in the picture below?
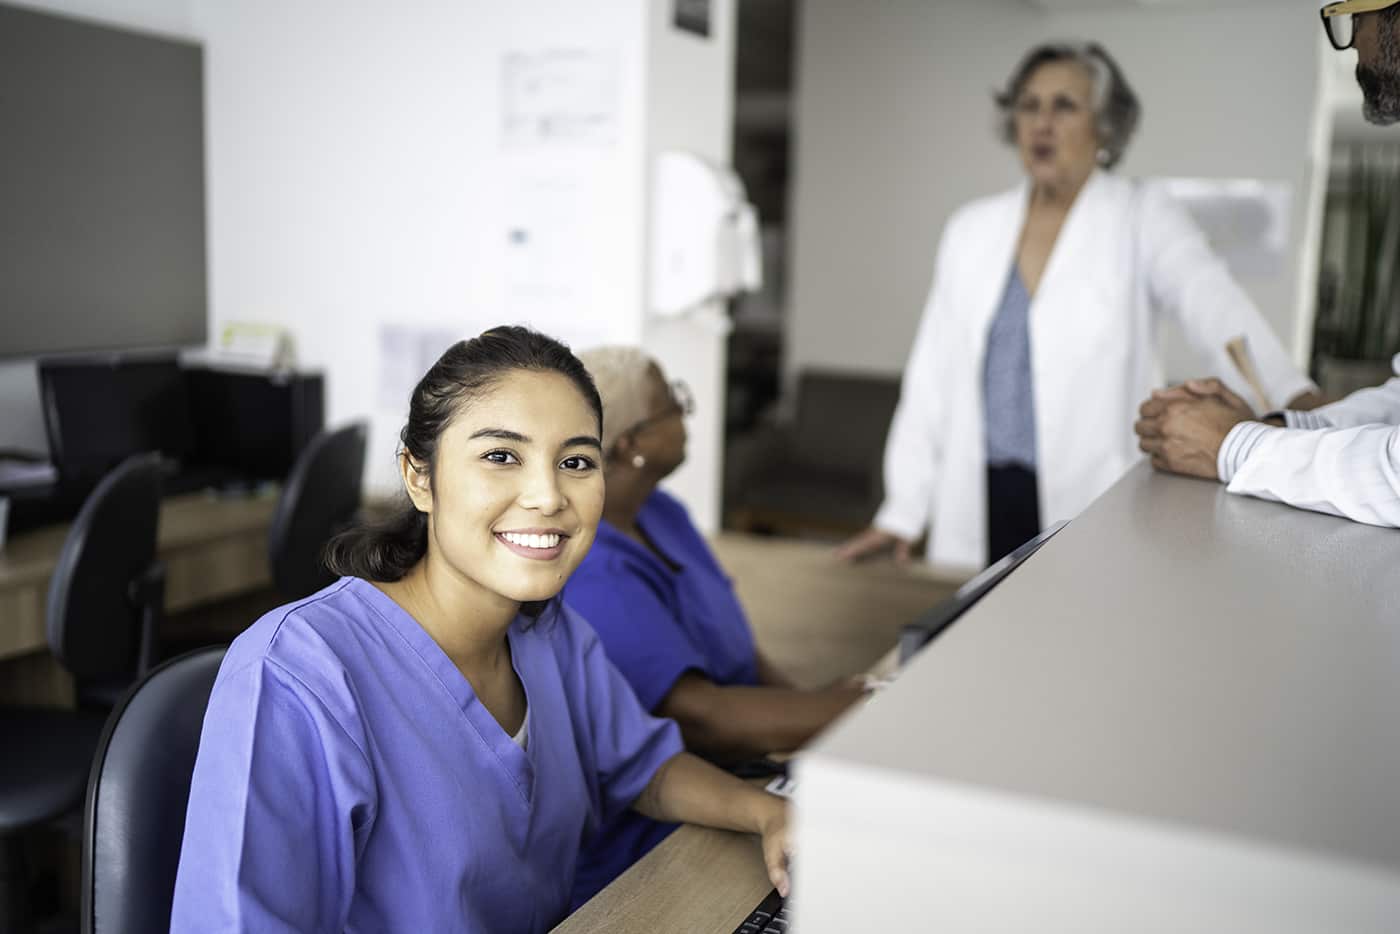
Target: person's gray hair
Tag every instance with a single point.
(620, 373)
(1116, 107)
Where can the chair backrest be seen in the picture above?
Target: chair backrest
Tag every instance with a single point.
(855, 408)
(321, 497)
(95, 600)
(134, 820)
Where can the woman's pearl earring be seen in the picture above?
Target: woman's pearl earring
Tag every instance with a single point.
(1103, 155)
(638, 461)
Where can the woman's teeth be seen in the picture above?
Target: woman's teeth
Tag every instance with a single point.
(531, 541)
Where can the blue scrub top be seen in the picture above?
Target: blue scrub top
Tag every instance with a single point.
(656, 625)
(349, 780)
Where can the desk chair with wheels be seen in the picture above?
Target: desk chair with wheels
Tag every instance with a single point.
(321, 497)
(134, 820)
(104, 607)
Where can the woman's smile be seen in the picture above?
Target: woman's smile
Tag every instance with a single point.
(535, 544)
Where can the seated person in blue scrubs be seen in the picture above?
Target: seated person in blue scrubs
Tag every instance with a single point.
(423, 745)
(667, 613)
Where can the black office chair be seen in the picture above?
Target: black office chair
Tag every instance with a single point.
(321, 497)
(104, 605)
(134, 820)
(107, 594)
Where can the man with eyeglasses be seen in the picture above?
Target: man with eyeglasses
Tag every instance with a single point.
(1378, 47)
(1343, 458)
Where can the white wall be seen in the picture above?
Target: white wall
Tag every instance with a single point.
(21, 422)
(894, 128)
(690, 106)
(358, 178)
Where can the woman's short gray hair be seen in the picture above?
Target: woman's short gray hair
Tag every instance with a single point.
(621, 375)
(1116, 107)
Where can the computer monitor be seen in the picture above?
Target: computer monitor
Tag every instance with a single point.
(254, 424)
(924, 629)
(98, 413)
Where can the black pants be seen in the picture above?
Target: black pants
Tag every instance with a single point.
(1013, 509)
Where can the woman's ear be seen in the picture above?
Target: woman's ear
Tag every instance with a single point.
(623, 448)
(417, 482)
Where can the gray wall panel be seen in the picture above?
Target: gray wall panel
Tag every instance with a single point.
(102, 228)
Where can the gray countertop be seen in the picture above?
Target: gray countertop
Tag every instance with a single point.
(1176, 654)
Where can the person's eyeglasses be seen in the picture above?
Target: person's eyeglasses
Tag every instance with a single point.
(682, 403)
(1339, 19)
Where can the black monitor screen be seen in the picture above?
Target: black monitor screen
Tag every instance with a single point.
(98, 414)
(917, 634)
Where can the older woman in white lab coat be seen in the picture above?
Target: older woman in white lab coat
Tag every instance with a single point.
(1041, 331)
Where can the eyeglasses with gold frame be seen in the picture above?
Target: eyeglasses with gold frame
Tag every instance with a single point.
(1339, 19)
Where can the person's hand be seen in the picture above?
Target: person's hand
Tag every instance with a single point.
(1305, 401)
(1194, 389)
(777, 851)
(1182, 428)
(852, 690)
(1199, 388)
(872, 542)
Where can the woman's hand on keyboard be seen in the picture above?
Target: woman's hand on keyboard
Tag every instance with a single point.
(688, 789)
(777, 851)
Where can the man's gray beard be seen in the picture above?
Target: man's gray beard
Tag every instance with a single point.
(1380, 86)
(1381, 95)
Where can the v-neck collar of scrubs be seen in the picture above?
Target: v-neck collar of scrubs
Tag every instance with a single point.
(514, 760)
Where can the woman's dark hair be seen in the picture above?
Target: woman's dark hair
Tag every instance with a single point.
(386, 549)
(1116, 107)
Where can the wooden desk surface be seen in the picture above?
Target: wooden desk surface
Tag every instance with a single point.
(698, 880)
(212, 548)
(819, 619)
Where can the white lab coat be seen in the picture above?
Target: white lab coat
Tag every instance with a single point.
(1125, 254)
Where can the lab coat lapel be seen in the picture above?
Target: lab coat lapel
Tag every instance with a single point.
(1068, 257)
(1062, 326)
(996, 255)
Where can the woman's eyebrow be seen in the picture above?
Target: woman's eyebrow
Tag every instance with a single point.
(505, 434)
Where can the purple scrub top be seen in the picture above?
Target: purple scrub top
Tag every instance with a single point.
(657, 624)
(349, 780)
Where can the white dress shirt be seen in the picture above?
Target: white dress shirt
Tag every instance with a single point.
(1342, 459)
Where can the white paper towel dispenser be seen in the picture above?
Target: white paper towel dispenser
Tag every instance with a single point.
(704, 235)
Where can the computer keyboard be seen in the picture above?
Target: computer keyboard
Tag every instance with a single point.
(770, 917)
(784, 786)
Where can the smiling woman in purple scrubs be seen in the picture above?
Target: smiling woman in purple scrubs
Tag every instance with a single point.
(422, 745)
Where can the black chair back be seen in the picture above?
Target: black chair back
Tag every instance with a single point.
(134, 820)
(321, 497)
(856, 408)
(107, 591)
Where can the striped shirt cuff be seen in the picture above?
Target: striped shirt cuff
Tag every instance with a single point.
(1309, 420)
(1237, 447)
